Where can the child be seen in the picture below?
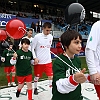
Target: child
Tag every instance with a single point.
(66, 81)
(22, 58)
(29, 36)
(6, 56)
(59, 47)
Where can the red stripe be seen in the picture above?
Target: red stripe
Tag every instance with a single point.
(72, 81)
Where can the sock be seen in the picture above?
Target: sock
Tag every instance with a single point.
(19, 90)
(13, 78)
(8, 78)
(50, 83)
(35, 81)
(29, 94)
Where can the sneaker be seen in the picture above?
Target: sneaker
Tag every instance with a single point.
(17, 94)
(13, 84)
(9, 84)
(35, 91)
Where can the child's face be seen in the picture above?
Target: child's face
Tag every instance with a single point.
(29, 34)
(25, 46)
(74, 47)
(10, 47)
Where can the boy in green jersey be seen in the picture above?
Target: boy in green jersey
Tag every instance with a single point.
(9, 69)
(22, 58)
(66, 80)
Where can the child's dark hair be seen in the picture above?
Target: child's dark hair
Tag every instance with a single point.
(47, 24)
(68, 36)
(30, 29)
(26, 41)
(10, 43)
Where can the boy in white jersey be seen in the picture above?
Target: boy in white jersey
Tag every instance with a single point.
(29, 36)
(41, 52)
(92, 52)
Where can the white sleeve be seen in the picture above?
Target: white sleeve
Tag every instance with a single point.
(90, 61)
(34, 43)
(3, 59)
(13, 61)
(65, 86)
(32, 62)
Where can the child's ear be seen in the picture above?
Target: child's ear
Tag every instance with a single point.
(65, 47)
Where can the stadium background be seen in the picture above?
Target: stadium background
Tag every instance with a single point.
(35, 12)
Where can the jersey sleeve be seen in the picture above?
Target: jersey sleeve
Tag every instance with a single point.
(94, 37)
(34, 43)
(4, 53)
(13, 60)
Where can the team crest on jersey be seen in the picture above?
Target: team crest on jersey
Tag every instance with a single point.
(90, 38)
(25, 57)
(70, 71)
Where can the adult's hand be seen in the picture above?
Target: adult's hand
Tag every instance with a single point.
(95, 78)
(36, 61)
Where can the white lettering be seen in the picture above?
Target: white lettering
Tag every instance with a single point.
(8, 16)
(3, 23)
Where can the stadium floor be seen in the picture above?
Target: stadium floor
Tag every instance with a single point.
(88, 92)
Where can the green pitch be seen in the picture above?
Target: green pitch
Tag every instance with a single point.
(3, 80)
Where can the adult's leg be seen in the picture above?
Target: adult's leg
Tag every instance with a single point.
(97, 87)
(37, 74)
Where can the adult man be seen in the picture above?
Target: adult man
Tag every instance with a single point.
(41, 53)
(92, 52)
(29, 36)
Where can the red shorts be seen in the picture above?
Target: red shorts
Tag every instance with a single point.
(40, 68)
(10, 69)
(22, 79)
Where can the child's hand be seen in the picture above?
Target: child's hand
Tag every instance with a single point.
(83, 70)
(2, 59)
(80, 77)
(15, 55)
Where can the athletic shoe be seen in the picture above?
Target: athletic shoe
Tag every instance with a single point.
(13, 84)
(9, 84)
(17, 94)
(35, 91)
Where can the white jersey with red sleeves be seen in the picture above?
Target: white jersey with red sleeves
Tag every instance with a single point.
(92, 50)
(41, 45)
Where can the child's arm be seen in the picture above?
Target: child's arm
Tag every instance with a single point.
(13, 59)
(32, 62)
(3, 56)
(66, 85)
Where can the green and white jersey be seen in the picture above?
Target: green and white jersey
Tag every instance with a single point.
(7, 54)
(23, 64)
(62, 88)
